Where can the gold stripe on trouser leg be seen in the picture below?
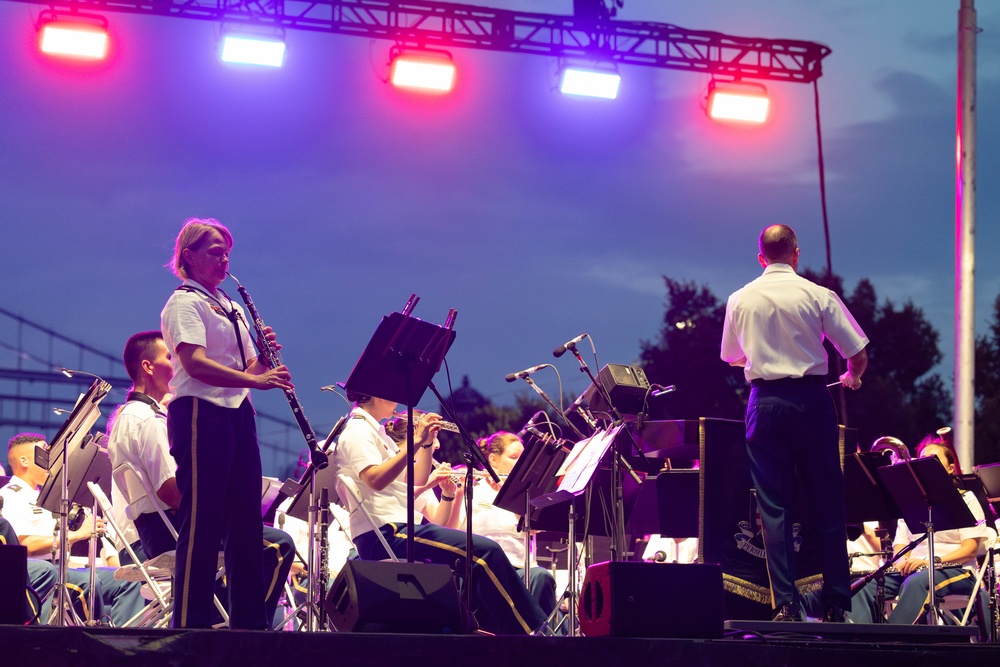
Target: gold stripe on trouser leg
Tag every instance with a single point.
(194, 510)
(82, 598)
(35, 612)
(489, 573)
(277, 567)
(946, 582)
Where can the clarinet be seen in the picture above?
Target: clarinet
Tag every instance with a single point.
(270, 356)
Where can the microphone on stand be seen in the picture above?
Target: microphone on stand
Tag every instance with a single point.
(568, 345)
(510, 377)
(530, 426)
(577, 407)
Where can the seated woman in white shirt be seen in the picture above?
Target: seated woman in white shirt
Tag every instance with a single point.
(503, 449)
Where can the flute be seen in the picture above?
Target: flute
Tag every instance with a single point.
(270, 356)
(396, 426)
(458, 475)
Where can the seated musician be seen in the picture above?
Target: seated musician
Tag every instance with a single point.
(365, 452)
(954, 560)
(117, 601)
(503, 449)
(138, 437)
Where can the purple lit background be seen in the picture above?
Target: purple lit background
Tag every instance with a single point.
(537, 216)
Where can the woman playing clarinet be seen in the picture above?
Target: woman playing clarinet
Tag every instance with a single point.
(212, 433)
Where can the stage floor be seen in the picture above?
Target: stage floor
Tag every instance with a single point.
(758, 644)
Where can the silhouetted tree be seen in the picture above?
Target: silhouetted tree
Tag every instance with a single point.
(987, 447)
(687, 355)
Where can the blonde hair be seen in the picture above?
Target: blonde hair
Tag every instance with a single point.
(497, 443)
(192, 235)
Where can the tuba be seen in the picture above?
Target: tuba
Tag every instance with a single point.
(898, 453)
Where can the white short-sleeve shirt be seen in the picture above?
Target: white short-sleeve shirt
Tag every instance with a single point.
(775, 326)
(139, 437)
(197, 318)
(364, 443)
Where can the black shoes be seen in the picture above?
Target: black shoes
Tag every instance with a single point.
(834, 614)
(788, 612)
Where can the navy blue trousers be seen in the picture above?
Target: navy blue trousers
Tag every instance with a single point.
(792, 430)
(219, 478)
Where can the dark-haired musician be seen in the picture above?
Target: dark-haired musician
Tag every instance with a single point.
(213, 436)
(774, 329)
(368, 455)
(954, 556)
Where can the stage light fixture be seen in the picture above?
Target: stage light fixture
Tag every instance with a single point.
(590, 83)
(78, 36)
(737, 101)
(422, 71)
(253, 50)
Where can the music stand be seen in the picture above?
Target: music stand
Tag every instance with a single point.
(928, 499)
(533, 474)
(397, 365)
(77, 425)
(573, 475)
(865, 498)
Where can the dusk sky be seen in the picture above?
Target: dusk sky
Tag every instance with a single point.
(538, 217)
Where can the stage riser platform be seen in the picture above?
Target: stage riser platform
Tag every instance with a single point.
(79, 647)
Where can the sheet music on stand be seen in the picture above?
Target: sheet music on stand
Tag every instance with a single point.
(73, 436)
(578, 468)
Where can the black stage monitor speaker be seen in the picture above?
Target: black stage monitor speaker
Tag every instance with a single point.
(628, 599)
(382, 596)
(14, 566)
(626, 385)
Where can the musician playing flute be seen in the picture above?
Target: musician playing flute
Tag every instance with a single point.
(212, 433)
(368, 455)
(503, 449)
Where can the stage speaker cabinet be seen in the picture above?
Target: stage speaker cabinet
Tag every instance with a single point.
(627, 599)
(14, 566)
(382, 596)
(626, 385)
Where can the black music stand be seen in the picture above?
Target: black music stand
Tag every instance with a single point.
(86, 462)
(929, 501)
(574, 476)
(55, 458)
(397, 365)
(865, 498)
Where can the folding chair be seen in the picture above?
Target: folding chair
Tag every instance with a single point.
(348, 490)
(157, 588)
(134, 485)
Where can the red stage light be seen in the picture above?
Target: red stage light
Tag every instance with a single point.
(737, 101)
(425, 72)
(73, 39)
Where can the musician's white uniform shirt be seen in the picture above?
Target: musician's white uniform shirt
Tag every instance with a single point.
(139, 437)
(946, 541)
(26, 518)
(778, 323)
(364, 443)
(200, 319)
(19, 509)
